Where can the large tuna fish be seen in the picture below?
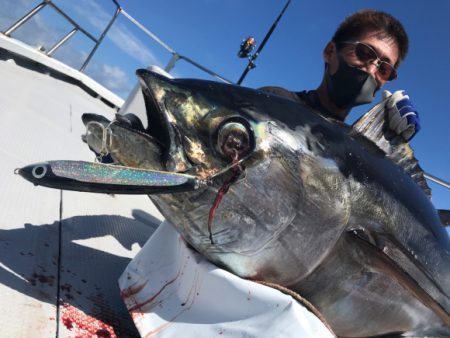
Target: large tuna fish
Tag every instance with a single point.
(303, 202)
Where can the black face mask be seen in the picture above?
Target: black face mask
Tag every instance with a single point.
(350, 86)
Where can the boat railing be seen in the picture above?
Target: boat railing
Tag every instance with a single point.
(176, 56)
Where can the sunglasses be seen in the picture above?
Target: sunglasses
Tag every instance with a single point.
(367, 55)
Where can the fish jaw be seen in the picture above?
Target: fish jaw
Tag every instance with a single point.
(161, 97)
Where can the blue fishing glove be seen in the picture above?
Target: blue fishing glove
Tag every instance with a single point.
(403, 117)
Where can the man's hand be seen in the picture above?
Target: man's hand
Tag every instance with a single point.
(403, 117)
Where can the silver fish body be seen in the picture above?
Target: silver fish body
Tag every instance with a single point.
(303, 202)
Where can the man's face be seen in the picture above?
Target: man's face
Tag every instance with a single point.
(385, 48)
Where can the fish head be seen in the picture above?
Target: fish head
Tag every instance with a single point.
(195, 125)
(257, 151)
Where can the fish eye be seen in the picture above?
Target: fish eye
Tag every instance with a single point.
(234, 140)
(39, 171)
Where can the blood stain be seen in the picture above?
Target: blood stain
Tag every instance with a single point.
(103, 333)
(132, 290)
(66, 287)
(67, 323)
(83, 325)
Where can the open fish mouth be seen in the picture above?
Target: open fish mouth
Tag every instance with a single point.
(158, 124)
(157, 90)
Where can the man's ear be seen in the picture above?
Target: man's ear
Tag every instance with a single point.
(329, 51)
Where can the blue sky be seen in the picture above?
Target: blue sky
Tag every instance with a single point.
(210, 31)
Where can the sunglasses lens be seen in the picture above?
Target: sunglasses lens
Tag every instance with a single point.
(387, 72)
(367, 55)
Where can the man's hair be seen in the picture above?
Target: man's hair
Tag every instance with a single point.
(369, 20)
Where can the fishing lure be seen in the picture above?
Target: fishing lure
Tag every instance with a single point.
(104, 178)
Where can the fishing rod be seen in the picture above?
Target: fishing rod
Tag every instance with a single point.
(248, 44)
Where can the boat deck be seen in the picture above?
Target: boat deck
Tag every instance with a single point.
(61, 253)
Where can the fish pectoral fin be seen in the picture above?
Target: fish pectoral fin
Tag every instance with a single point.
(444, 215)
(394, 261)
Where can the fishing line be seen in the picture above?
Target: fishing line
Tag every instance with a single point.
(106, 146)
(237, 168)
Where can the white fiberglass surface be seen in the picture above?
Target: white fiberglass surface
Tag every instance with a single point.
(67, 245)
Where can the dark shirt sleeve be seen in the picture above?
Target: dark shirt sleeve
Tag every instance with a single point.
(308, 98)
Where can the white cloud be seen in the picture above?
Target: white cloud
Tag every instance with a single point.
(127, 42)
(115, 78)
(38, 32)
(35, 32)
(112, 77)
(98, 17)
(120, 35)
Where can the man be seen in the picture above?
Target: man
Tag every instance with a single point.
(362, 56)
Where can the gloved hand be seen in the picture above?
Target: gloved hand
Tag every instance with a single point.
(403, 117)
